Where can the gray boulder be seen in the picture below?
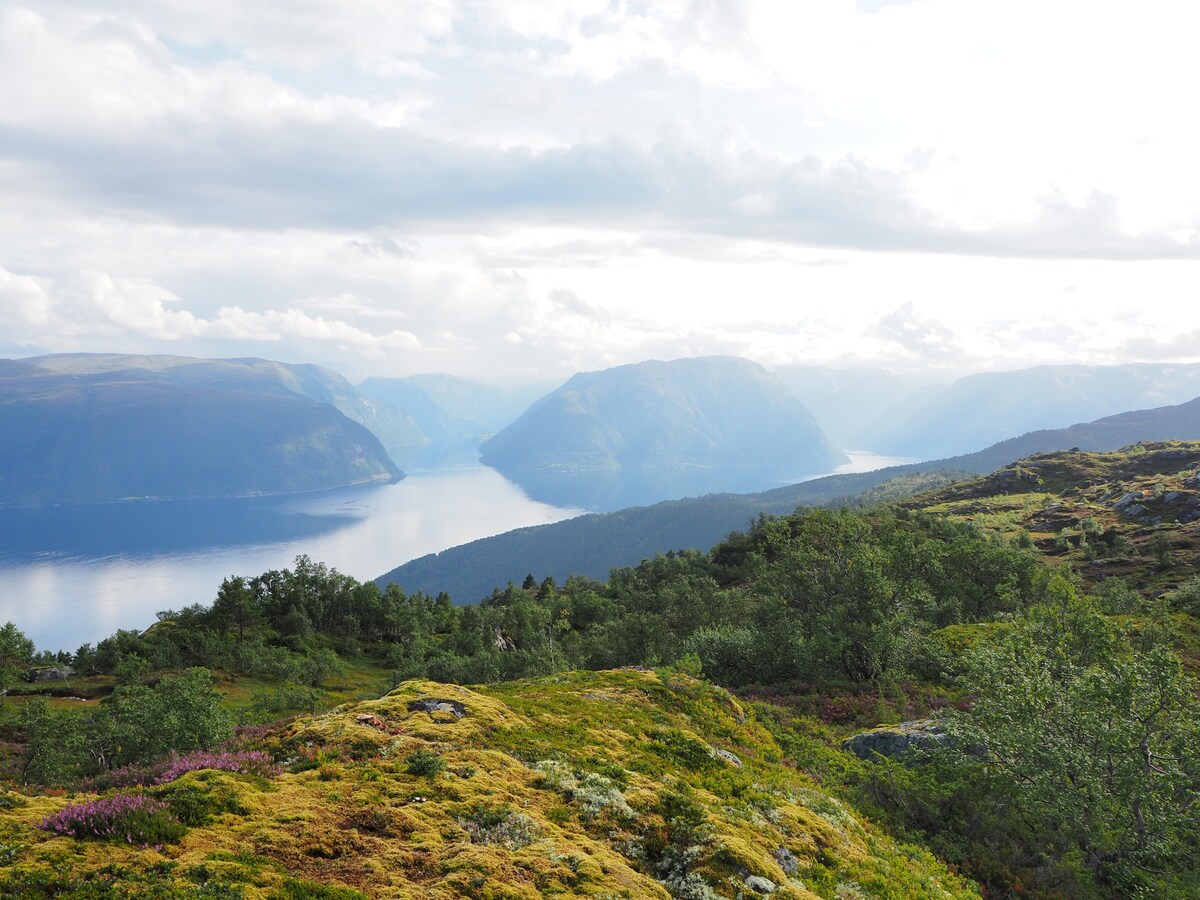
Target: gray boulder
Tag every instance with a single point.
(895, 741)
(50, 673)
(435, 705)
(760, 885)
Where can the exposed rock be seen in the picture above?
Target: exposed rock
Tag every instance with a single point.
(760, 885)
(1134, 510)
(894, 741)
(1128, 498)
(787, 860)
(50, 673)
(436, 704)
(503, 642)
(731, 758)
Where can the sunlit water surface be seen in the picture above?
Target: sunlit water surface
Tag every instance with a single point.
(75, 574)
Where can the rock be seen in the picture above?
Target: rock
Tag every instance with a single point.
(1172, 496)
(50, 673)
(760, 885)
(1134, 510)
(436, 704)
(503, 642)
(787, 860)
(894, 741)
(731, 758)
(370, 721)
(1127, 499)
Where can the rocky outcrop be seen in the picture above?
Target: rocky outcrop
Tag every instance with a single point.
(895, 741)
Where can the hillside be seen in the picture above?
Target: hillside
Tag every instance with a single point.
(590, 545)
(397, 432)
(978, 410)
(606, 784)
(656, 430)
(68, 439)
(1133, 514)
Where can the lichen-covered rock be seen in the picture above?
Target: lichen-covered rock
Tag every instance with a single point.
(894, 741)
(437, 704)
(760, 885)
(788, 861)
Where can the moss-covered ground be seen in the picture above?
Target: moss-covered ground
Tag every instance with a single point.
(603, 784)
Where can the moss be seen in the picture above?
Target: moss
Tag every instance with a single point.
(552, 787)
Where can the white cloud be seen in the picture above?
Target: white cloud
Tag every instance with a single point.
(406, 188)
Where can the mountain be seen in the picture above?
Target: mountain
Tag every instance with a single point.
(454, 414)
(395, 429)
(590, 545)
(979, 410)
(125, 434)
(659, 429)
(854, 406)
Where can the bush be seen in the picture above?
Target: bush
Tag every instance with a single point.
(131, 818)
(424, 763)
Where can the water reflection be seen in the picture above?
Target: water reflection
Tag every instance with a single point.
(69, 575)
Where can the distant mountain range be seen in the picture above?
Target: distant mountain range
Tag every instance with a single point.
(590, 545)
(979, 410)
(454, 414)
(855, 406)
(660, 429)
(86, 429)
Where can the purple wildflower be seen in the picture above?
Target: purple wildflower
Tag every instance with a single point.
(133, 818)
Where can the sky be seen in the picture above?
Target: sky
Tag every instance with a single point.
(526, 188)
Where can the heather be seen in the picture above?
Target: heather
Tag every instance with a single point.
(130, 818)
(244, 762)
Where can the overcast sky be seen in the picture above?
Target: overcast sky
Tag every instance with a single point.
(534, 187)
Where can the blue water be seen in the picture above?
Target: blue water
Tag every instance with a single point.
(75, 574)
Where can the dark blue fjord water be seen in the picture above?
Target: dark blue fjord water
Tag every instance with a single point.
(75, 574)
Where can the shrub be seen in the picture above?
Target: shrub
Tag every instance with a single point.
(500, 826)
(132, 818)
(422, 762)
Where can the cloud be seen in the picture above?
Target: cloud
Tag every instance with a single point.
(918, 336)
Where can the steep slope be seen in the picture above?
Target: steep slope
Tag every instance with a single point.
(605, 784)
(590, 545)
(68, 439)
(455, 414)
(395, 429)
(660, 429)
(981, 409)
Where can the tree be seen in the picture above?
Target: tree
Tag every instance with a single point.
(1096, 742)
(16, 652)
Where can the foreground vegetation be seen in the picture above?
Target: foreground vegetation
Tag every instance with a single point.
(1069, 765)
